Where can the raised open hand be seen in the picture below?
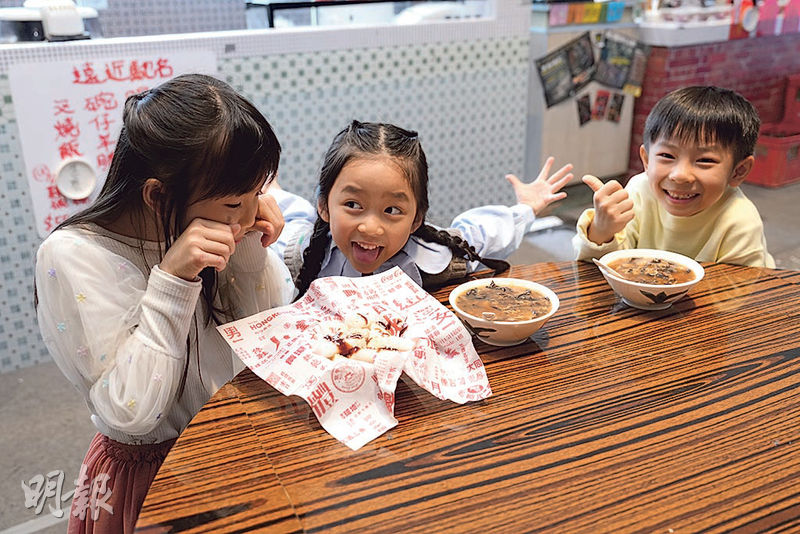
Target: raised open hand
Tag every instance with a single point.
(545, 189)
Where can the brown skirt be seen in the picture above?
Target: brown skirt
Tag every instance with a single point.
(112, 485)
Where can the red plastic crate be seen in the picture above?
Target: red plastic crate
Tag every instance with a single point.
(791, 105)
(777, 159)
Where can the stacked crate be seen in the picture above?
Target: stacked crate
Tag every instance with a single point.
(778, 147)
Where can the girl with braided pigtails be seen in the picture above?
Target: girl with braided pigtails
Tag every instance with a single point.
(370, 215)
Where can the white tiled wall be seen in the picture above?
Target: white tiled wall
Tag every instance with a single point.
(466, 100)
(156, 17)
(463, 89)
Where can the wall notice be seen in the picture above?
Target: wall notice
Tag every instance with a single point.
(70, 114)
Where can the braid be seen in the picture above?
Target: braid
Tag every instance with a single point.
(313, 256)
(459, 247)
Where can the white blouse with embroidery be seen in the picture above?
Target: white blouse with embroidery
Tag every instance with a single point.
(117, 326)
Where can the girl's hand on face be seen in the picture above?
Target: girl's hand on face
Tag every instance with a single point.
(269, 220)
(613, 209)
(544, 190)
(204, 243)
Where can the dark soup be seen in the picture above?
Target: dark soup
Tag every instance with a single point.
(652, 271)
(494, 302)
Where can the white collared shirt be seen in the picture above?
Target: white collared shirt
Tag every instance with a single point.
(494, 231)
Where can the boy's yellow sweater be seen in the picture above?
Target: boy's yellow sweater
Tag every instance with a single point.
(729, 231)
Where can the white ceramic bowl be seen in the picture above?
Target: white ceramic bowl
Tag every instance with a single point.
(650, 296)
(503, 333)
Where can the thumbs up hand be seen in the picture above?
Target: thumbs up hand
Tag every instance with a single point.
(613, 209)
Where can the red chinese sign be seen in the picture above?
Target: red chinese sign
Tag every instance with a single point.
(75, 111)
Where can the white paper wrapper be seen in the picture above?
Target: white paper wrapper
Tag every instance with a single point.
(353, 400)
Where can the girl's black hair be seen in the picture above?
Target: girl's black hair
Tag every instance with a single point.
(201, 140)
(371, 140)
(705, 114)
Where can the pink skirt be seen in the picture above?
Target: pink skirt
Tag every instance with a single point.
(112, 485)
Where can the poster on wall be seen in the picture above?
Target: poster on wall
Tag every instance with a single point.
(600, 105)
(622, 63)
(567, 69)
(556, 77)
(584, 109)
(69, 119)
(615, 61)
(633, 85)
(615, 107)
(580, 55)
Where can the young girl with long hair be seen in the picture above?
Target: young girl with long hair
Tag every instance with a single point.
(131, 289)
(372, 202)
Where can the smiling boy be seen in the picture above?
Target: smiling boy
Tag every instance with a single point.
(698, 148)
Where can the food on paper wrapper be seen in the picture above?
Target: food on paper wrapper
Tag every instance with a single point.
(361, 336)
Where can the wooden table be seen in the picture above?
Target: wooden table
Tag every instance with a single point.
(609, 419)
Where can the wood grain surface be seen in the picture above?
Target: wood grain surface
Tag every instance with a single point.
(218, 478)
(609, 419)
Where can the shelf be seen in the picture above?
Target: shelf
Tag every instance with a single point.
(674, 34)
(572, 28)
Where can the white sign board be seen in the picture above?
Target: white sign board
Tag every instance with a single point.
(70, 114)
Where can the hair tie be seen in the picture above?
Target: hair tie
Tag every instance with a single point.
(141, 96)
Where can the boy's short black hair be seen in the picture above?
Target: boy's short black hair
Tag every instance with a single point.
(705, 114)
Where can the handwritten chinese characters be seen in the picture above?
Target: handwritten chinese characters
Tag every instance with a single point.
(121, 70)
(75, 112)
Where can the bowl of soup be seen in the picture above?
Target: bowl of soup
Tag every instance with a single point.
(503, 311)
(651, 279)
